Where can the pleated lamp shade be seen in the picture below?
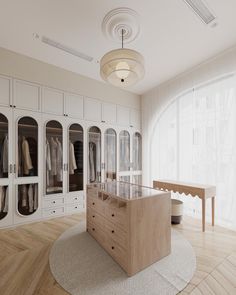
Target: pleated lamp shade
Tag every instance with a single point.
(122, 67)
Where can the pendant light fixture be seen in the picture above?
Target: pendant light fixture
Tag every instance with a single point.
(122, 67)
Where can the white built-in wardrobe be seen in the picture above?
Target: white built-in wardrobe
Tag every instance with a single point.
(52, 143)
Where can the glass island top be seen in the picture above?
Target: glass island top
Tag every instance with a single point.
(126, 191)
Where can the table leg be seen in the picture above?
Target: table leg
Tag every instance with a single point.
(213, 211)
(203, 214)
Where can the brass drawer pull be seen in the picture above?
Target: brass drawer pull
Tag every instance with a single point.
(93, 203)
(93, 216)
(113, 231)
(112, 247)
(93, 229)
(112, 215)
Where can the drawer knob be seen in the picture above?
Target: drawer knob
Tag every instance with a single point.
(93, 229)
(76, 198)
(93, 203)
(76, 207)
(113, 231)
(112, 247)
(112, 215)
(54, 211)
(93, 216)
(54, 202)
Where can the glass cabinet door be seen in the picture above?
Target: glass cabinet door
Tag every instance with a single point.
(27, 153)
(137, 151)
(4, 163)
(3, 201)
(124, 140)
(27, 198)
(110, 154)
(94, 155)
(54, 157)
(76, 158)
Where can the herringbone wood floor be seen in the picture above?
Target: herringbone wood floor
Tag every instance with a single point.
(24, 268)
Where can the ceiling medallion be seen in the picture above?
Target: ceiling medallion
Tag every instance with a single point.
(122, 67)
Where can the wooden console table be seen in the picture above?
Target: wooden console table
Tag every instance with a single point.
(203, 191)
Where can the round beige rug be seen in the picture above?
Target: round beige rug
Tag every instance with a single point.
(82, 267)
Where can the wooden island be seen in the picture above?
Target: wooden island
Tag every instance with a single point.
(131, 222)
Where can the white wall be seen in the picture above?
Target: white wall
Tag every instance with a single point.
(156, 100)
(23, 67)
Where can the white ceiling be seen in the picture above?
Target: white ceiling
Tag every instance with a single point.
(173, 38)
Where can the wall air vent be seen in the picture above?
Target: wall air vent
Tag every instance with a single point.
(201, 9)
(65, 48)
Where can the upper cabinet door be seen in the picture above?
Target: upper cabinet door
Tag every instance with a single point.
(109, 113)
(135, 118)
(26, 95)
(74, 105)
(5, 93)
(123, 114)
(53, 101)
(92, 109)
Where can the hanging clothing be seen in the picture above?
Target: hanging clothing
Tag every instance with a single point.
(27, 163)
(35, 197)
(72, 162)
(24, 196)
(2, 198)
(31, 198)
(53, 156)
(4, 155)
(6, 200)
(59, 160)
(92, 161)
(48, 161)
(79, 157)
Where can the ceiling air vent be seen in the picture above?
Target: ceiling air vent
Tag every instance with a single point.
(66, 48)
(201, 9)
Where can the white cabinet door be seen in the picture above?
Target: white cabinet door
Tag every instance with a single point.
(26, 95)
(74, 105)
(5, 92)
(135, 118)
(53, 101)
(109, 113)
(92, 109)
(123, 114)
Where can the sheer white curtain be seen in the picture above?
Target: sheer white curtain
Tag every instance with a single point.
(195, 140)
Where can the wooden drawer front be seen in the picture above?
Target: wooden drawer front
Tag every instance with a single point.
(74, 199)
(73, 208)
(94, 217)
(92, 192)
(52, 212)
(53, 203)
(97, 205)
(117, 216)
(116, 234)
(97, 232)
(118, 252)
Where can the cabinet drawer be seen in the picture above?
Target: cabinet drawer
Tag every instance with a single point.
(53, 211)
(92, 192)
(53, 203)
(118, 252)
(97, 232)
(94, 217)
(117, 216)
(116, 234)
(73, 208)
(75, 199)
(96, 205)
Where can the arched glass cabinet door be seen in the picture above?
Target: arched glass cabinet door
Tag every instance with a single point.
(124, 145)
(76, 158)
(54, 157)
(110, 154)
(27, 153)
(137, 151)
(94, 155)
(27, 198)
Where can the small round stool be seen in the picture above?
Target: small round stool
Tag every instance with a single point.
(176, 211)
